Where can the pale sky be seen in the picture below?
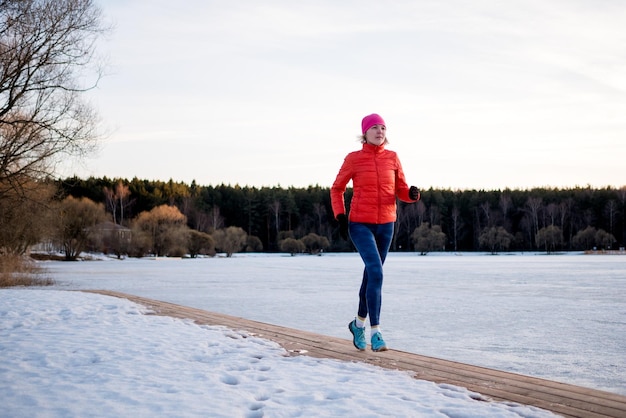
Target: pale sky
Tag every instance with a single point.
(479, 94)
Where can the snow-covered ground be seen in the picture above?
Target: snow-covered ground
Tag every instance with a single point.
(74, 354)
(557, 317)
(560, 317)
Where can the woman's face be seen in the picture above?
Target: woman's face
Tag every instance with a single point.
(376, 135)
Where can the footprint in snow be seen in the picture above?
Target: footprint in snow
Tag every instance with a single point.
(229, 380)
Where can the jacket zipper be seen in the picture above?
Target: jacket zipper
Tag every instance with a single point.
(378, 193)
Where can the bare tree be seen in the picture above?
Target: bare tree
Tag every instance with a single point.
(74, 225)
(553, 212)
(534, 206)
(166, 229)
(253, 244)
(506, 204)
(121, 194)
(320, 211)
(25, 218)
(46, 47)
(610, 211)
(200, 243)
(217, 220)
(403, 223)
(292, 246)
(201, 220)
(457, 225)
(585, 239)
(315, 243)
(117, 198)
(428, 239)
(275, 209)
(230, 240)
(549, 237)
(565, 209)
(495, 239)
(486, 211)
(604, 240)
(421, 212)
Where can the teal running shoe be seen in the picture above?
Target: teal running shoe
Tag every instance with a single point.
(378, 344)
(358, 336)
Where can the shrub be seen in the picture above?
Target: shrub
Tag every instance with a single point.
(20, 271)
(292, 246)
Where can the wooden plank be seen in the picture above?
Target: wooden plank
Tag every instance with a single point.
(561, 398)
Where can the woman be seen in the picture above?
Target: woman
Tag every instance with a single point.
(377, 179)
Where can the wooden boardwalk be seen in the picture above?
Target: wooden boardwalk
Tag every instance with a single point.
(563, 399)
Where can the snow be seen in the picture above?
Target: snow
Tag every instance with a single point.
(74, 354)
(560, 317)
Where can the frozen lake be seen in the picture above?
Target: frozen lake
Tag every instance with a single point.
(560, 317)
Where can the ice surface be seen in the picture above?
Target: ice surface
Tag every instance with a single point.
(560, 317)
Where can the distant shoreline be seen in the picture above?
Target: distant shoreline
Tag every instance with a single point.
(606, 252)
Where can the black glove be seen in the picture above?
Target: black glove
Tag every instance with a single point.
(343, 226)
(414, 193)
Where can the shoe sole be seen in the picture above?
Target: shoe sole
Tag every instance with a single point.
(380, 349)
(352, 332)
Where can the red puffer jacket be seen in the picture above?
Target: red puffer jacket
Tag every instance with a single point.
(377, 178)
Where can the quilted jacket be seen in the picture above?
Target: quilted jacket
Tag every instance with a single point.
(377, 179)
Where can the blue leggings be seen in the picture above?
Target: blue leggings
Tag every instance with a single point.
(372, 241)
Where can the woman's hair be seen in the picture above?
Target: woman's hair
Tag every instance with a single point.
(362, 139)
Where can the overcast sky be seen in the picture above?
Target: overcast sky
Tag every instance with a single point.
(479, 94)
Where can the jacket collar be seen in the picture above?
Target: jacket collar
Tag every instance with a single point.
(367, 147)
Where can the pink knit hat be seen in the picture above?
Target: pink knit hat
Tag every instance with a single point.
(371, 120)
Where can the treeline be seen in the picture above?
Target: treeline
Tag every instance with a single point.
(454, 220)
